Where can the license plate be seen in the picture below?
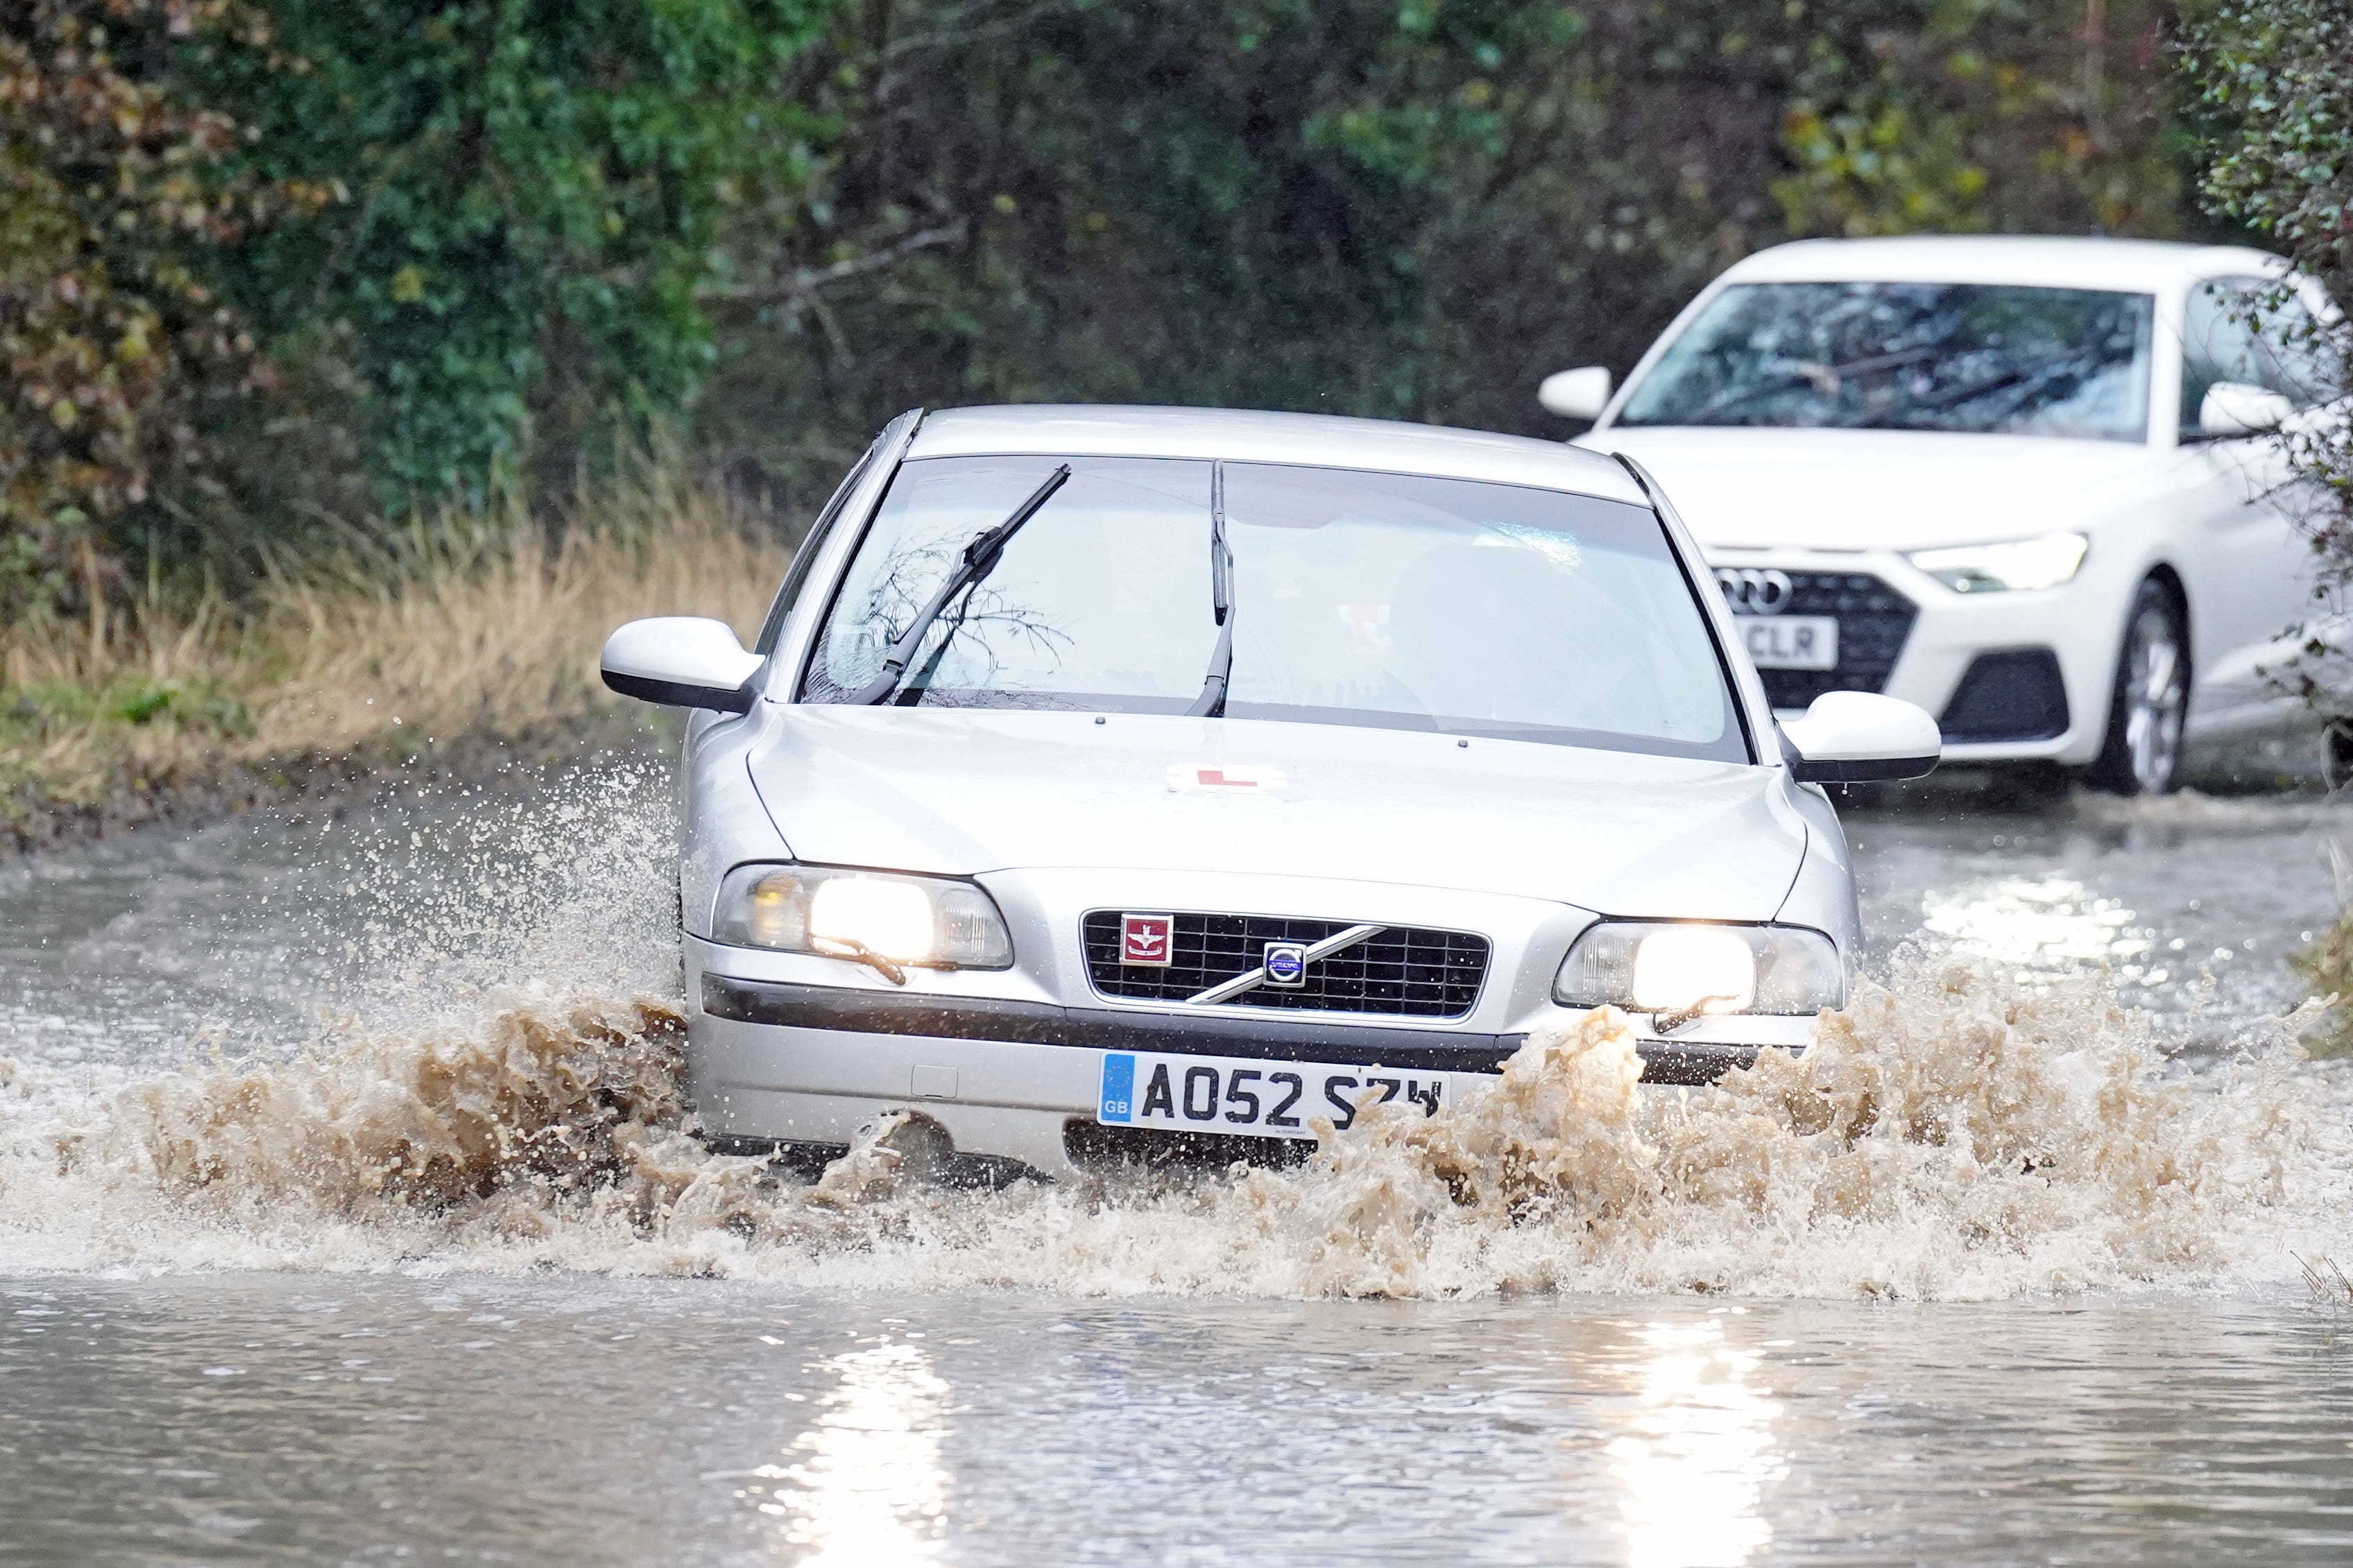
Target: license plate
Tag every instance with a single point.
(1791, 642)
(1247, 1098)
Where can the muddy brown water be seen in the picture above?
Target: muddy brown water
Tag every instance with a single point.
(228, 1336)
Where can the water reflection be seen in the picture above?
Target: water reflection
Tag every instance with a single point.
(865, 1487)
(1696, 1454)
(2044, 922)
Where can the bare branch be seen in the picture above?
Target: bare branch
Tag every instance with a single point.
(804, 282)
(994, 26)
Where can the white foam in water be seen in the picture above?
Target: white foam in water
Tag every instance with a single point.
(1950, 1135)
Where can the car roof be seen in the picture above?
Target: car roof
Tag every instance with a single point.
(1318, 440)
(2138, 266)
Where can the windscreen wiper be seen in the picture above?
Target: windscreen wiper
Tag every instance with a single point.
(980, 559)
(1211, 703)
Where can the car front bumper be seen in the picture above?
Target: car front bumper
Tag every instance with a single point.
(2021, 644)
(793, 1062)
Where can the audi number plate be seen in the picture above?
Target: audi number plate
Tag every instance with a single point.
(1256, 1099)
(1791, 642)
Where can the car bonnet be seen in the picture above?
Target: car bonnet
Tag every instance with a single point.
(968, 791)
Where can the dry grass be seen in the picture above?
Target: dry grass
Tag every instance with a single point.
(477, 626)
(2327, 1283)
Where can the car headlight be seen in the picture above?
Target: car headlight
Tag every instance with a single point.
(1692, 968)
(2016, 566)
(930, 922)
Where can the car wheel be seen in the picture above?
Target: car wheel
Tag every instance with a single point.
(2143, 754)
(2337, 769)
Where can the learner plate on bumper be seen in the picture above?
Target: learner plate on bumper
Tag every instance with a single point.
(1254, 1097)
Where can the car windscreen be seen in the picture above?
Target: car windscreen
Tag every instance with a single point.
(1992, 359)
(1374, 599)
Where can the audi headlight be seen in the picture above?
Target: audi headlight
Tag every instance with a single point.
(2018, 565)
(933, 923)
(1693, 968)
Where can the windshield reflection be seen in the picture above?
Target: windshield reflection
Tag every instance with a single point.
(1696, 1453)
(1398, 601)
(1979, 358)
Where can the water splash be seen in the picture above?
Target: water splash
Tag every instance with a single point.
(1950, 1136)
(499, 1089)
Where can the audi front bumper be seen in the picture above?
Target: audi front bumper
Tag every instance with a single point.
(2010, 676)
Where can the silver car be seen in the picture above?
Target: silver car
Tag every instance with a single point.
(1108, 782)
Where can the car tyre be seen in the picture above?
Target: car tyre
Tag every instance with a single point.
(2151, 698)
(2337, 753)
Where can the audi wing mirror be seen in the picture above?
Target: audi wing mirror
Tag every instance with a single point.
(1580, 394)
(682, 661)
(1860, 737)
(2234, 408)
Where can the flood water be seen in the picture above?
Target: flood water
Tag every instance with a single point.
(347, 1214)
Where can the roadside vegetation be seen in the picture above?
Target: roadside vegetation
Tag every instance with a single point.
(466, 640)
(2275, 99)
(270, 267)
(2274, 80)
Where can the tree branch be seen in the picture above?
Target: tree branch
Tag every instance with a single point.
(804, 282)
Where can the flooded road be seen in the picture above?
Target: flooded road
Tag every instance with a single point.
(423, 1268)
(310, 1419)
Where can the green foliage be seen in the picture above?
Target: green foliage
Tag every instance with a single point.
(112, 193)
(1872, 169)
(2277, 76)
(473, 236)
(520, 201)
(1963, 115)
(2275, 79)
(1409, 210)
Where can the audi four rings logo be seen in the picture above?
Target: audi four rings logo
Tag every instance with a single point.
(1752, 592)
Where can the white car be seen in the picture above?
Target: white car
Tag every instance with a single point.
(2027, 484)
(1108, 778)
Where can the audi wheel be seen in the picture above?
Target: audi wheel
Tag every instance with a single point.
(2143, 753)
(2336, 770)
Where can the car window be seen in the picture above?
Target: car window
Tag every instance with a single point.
(812, 543)
(2252, 331)
(1102, 599)
(1488, 608)
(1372, 599)
(1980, 358)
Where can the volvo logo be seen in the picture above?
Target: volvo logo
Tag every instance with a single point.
(1752, 592)
(1286, 964)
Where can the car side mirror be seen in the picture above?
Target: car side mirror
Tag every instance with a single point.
(1860, 737)
(683, 661)
(1580, 394)
(2235, 408)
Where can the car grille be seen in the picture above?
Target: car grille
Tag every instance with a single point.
(1873, 620)
(1399, 970)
